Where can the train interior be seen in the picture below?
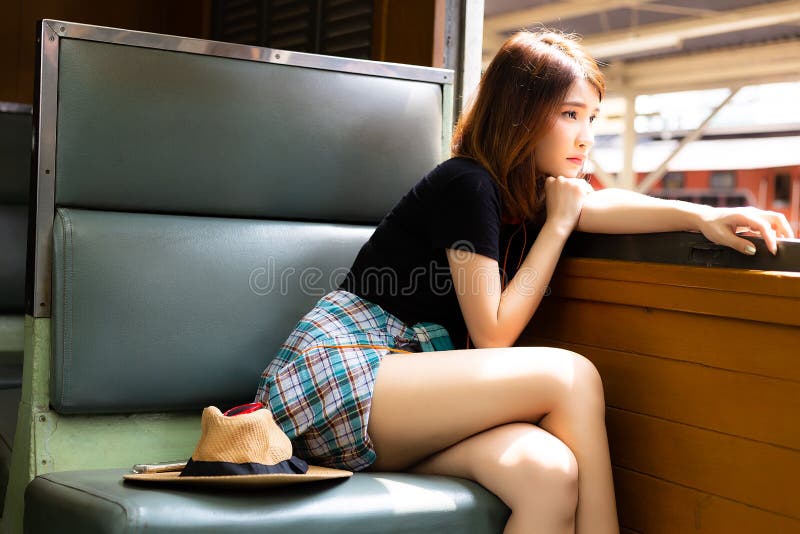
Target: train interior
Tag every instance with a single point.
(155, 154)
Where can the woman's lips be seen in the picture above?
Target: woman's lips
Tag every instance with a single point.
(575, 161)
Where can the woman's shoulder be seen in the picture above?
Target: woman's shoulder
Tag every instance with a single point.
(462, 166)
(462, 173)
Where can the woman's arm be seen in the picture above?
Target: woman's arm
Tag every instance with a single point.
(618, 211)
(496, 318)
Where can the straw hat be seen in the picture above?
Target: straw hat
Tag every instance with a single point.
(242, 447)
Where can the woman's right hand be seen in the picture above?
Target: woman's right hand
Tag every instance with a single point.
(564, 200)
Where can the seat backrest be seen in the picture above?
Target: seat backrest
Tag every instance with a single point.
(204, 196)
(15, 169)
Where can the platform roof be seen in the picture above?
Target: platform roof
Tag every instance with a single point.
(651, 46)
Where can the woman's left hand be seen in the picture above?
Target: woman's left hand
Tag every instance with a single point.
(721, 224)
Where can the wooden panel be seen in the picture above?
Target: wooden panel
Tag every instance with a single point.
(652, 506)
(702, 380)
(749, 472)
(754, 407)
(747, 346)
(785, 284)
(10, 27)
(186, 18)
(405, 31)
(717, 302)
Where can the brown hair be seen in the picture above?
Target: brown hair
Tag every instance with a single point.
(516, 104)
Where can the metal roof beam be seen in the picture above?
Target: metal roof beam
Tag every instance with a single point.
(655, 176)
(671, 34)
(744, 65)
(496, 27)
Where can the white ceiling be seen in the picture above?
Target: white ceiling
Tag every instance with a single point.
(649, 46)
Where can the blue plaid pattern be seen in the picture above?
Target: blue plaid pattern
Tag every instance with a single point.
(319, 394)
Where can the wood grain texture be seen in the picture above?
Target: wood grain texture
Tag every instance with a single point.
(740, 404)
(753, 473)
(702, 379)
(775, 283)
(755, 347)
(649, 505)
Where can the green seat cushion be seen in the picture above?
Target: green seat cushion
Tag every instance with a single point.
(169, 312)
(99, 501)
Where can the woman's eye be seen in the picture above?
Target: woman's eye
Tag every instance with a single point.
(571, 114)
(592, 118)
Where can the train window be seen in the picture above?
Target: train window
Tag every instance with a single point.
(709, 200)
(736, 200)
(783, 188)
(673, 180)
(723, 180)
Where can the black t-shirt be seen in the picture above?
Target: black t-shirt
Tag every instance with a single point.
(403, 267)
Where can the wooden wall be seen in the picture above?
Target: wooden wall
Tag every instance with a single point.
(409, 31)
(406, 31)
(187, 18)
(701, 369)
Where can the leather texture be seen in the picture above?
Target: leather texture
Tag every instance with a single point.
(162, 131)
(166, 312)
(10, 373)
(99, 502)
(13, 244)
(9, 405)
(16, 132)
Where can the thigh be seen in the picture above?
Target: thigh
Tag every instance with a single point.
(425, 402)
(518, 462)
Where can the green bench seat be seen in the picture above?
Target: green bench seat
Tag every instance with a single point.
(205, 196)
(99, 502)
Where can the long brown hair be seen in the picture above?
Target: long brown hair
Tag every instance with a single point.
(516, 104)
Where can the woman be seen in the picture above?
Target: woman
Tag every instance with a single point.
(449, 268)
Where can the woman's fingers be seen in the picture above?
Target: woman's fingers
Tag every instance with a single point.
(781, 225)
(727, 226)
(755, 221)
(767, 233)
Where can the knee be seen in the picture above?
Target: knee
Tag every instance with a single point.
(547, 476)
(584, 381)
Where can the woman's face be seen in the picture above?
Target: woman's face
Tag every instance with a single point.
(564, 149)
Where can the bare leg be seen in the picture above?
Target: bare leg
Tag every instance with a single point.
(425, 403)
(529, 469)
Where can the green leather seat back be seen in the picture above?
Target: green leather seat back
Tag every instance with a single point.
(15, 156)
(163, 131)
(15, 165)
(167, 312)
(185, 185)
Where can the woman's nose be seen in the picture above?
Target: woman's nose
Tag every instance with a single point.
(586, 137)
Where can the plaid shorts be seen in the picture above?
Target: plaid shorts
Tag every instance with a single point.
(319, 385)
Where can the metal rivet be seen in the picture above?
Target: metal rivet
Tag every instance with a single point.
(61, 28)
(44, 462)
(42, 418)
(277, 56)
(41, 304)
(52, 38)
(47, 171)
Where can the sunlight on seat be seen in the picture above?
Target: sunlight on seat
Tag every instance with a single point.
(410, 498)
